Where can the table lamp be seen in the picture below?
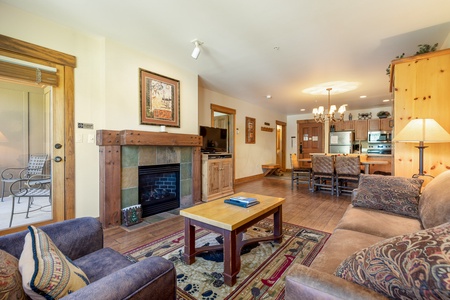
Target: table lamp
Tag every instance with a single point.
(422, 131)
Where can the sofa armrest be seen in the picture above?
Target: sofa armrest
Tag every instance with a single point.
(75, 238)
(306, 283)
(151, 278)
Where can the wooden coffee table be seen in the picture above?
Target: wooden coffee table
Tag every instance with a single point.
(231, 222)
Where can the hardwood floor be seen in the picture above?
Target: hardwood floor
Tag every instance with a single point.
(317, 210)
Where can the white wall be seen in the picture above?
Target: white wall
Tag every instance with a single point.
(106, 90)
(248, 157)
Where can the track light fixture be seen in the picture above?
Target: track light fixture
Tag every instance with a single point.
(197, 49)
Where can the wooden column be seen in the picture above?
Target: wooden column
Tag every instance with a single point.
(110, 179)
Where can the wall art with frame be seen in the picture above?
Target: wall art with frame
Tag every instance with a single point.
(160, 99)
(250, 130)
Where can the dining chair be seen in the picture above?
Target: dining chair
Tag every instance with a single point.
(348, 171)
(299, 174)
(35, 166)
(323, 172)
(33, 187)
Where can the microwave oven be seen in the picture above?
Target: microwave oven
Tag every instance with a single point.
(379, 137)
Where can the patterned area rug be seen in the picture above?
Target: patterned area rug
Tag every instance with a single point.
(263, 265)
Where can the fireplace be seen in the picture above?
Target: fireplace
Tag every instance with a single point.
(159, 188)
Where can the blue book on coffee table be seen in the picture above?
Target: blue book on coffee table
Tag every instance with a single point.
(240, 203)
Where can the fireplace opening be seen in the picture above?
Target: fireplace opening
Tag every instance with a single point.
(159, 188)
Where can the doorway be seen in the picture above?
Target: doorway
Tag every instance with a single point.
(281, 145)
(225, 117)
(310, 136)
(60, 121)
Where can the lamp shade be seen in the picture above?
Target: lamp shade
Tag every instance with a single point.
(423, 130)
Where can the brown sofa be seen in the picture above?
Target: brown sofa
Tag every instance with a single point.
(360, 228)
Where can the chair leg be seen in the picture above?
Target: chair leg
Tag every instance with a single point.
(12, 211)
(3, 190)
(30, 201)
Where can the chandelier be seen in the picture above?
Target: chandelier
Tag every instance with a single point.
(321, 117)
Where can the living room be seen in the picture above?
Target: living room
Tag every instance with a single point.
(106, 89)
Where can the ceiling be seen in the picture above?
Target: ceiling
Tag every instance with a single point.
(255, 48)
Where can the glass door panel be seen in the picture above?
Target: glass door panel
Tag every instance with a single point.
(25, 154)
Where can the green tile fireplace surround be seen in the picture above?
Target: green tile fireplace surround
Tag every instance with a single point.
(123, 152)
(136, 156)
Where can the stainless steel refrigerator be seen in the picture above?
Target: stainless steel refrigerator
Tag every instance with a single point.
(341, 142)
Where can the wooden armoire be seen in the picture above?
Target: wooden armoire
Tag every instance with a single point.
(421, 89)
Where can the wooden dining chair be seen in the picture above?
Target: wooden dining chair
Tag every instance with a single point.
(323, 173)
(348, 171)
(299, 174)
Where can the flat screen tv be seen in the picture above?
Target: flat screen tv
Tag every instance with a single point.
(214, 139)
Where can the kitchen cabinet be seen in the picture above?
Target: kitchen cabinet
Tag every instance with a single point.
(361, 129)
(380, 124)
(217, 176)
(343, 125)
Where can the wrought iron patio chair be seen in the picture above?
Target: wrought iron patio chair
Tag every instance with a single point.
(348, 171)
(33, 187)
(35, 166)
(299, 174)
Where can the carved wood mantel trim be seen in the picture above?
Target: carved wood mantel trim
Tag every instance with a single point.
(110, 143)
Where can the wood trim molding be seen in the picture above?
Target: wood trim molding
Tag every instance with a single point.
(223, 109)
(17, 46)
(141, 138)
(249, 178)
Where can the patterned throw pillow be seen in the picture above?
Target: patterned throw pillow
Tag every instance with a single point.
(10, 279)
(46, 271)
(412, 266)
(389, 193)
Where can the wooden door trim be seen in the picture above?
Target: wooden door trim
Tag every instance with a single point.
(31, 52)
(230, 111)
(283, 143)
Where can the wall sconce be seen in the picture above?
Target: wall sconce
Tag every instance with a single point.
(237, 130)
(197, 49)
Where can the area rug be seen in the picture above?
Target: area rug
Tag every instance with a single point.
(263, 265)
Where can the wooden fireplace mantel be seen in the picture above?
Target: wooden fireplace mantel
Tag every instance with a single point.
(110, 143)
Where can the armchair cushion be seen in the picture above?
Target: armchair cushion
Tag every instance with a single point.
(46, 271)
(10, 278)
(410, 266)
(101, 263)
(389, 193)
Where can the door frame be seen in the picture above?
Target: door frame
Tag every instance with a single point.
(232, 112)
(64, 204)
(282, 143)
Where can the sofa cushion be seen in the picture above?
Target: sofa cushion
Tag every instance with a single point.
(339, 246)
(434, 203)
(374, 222)
(46, 272)
(10, 278)
(394, 194)
(411, 266)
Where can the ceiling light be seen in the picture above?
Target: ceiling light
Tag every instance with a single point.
(386, 100)
(337, 86)
(302, 109)
(363, 96)
(320, 116)
(269, 96)
(197, 49)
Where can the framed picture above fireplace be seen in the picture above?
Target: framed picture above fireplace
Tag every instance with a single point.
(160, 99)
